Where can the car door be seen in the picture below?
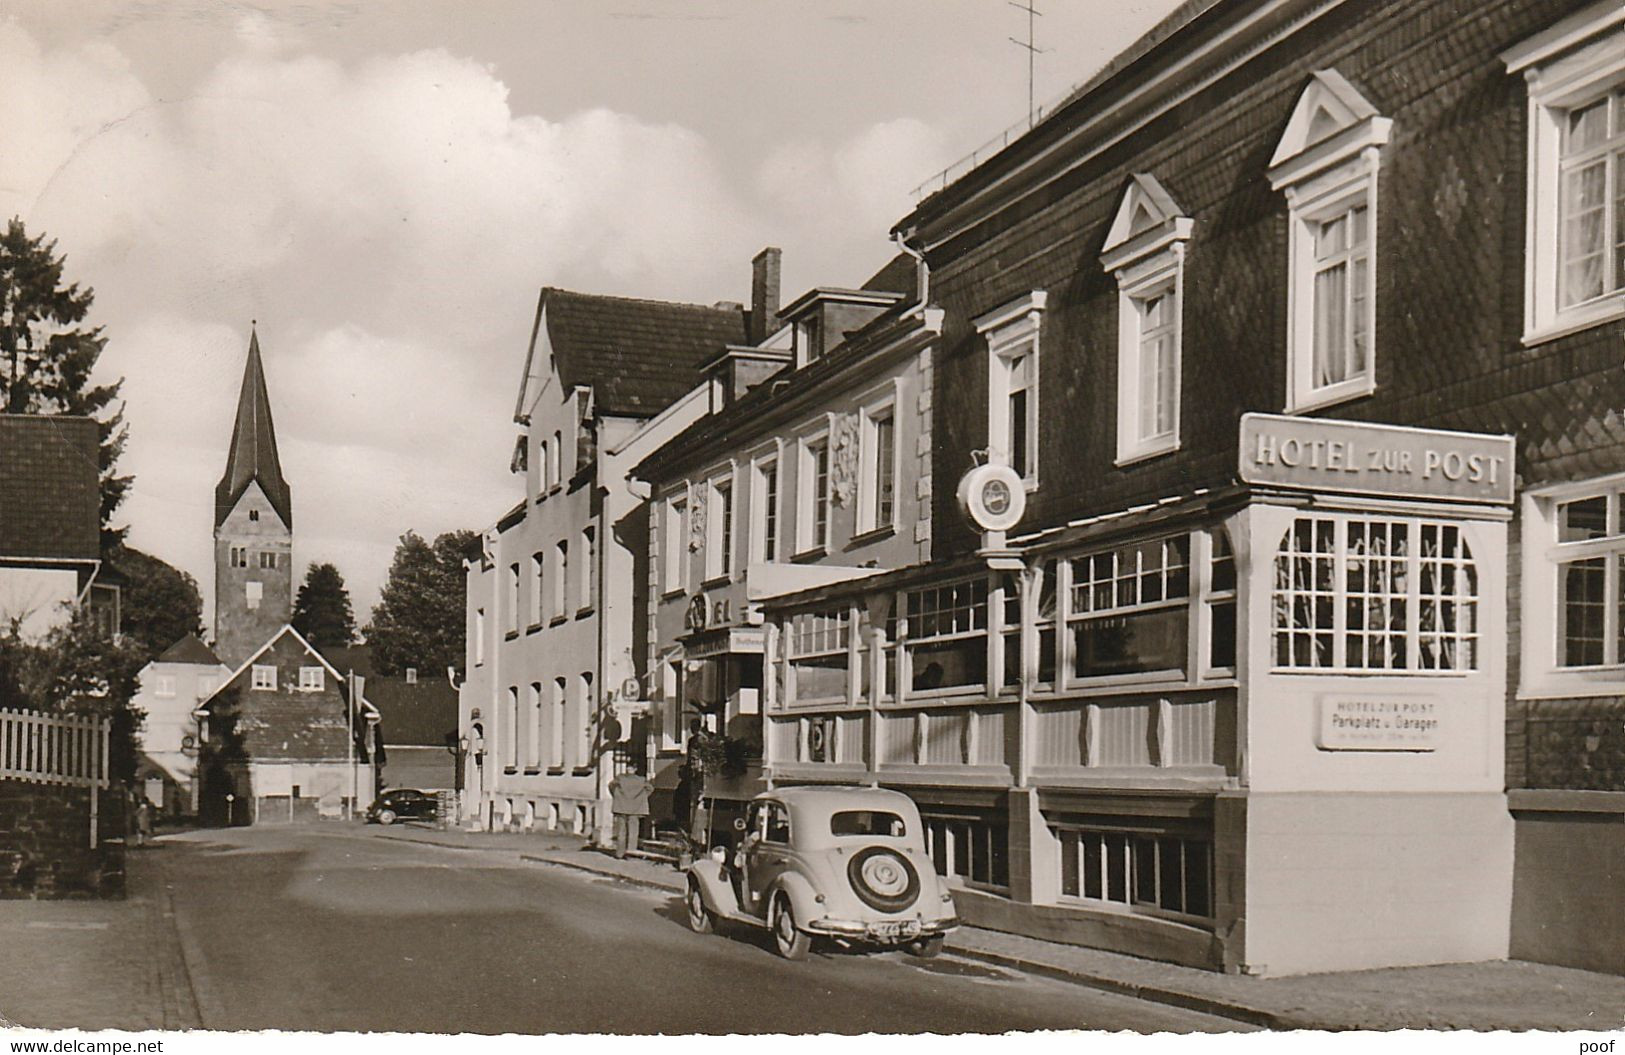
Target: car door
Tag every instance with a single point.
(768, 855)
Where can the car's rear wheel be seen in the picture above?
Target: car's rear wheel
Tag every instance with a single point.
(883, 879)
(926, 947)
(386, 817)
(791, 940)
(700, 918)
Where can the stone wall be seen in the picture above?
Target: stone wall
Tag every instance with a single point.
(45, 843)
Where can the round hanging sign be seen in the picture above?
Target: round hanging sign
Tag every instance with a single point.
(993, 497)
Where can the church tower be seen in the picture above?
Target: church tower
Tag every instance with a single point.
(253, 527)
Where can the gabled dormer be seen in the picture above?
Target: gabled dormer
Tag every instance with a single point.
(1148, 222)
(1331, 124)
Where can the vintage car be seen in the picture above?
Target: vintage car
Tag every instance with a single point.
(837, 862)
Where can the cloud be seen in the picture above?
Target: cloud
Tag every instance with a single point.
(863, 183)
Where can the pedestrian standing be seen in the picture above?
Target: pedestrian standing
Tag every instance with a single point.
(143, 820)
(629, 801)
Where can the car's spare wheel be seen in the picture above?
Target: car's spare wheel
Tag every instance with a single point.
(883, 879)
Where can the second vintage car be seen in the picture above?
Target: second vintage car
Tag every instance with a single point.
(844, 863)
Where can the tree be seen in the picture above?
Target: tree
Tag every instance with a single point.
(322, 610)
(418, 620)
(160, 604)
(46, 356)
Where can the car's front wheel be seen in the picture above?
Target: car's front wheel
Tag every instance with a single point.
(700, 918)
(791, 940)
(926, 947)
(386, 817)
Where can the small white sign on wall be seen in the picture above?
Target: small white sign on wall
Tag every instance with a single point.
(1352, 722)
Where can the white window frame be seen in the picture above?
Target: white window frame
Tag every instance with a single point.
(722, 532)
(587, 558)
(515, 588)
(868, 465)
(674, 543)
(1012, 331)
(558, 709)
(1145, 253)
(808, 539)
(262, 677)
(1575, 62)
(164, 685)
(479, 637)
(312, 679)
(584, 716)
(1324, 174)
(561, 580)
(538, 588)
(1541, 675)
(771, 459)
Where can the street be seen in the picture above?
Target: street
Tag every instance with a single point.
(342, 929)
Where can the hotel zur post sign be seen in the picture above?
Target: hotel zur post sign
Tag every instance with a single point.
(1318, 454)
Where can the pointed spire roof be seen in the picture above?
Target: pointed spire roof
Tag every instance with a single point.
(253, 455)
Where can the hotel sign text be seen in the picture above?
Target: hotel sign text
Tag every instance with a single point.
(1378, 723)
(1318, 454)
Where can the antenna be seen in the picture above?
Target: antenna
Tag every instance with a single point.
(1030, 45)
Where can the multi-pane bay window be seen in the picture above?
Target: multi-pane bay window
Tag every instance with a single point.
(1130, 609)
(1012, 334)
(947, 636)
(820, 654)
(1326, 165)
(1157, 872)
(1575, 256)
(1372, 593)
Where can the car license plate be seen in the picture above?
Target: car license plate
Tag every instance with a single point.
(900, 929)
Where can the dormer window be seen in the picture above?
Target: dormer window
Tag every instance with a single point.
(1326, 165)
(809, 338)
(1145, 251)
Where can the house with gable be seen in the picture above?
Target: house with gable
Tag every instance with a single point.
(171, 687)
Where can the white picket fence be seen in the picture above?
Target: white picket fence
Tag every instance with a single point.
(69, 750)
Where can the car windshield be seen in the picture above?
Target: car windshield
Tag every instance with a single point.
(867, 822)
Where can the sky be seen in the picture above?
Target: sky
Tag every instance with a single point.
(386, 185)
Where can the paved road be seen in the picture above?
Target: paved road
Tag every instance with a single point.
(336, 929)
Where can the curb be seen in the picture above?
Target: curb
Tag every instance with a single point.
(579, 866)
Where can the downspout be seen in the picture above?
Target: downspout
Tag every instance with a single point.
(601, 615)
(922, 270)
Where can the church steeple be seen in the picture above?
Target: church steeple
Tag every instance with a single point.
(253, 455)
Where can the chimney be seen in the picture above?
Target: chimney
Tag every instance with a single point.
(764, 294)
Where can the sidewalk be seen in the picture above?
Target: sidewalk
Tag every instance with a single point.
(1513, 994)
(97, 964)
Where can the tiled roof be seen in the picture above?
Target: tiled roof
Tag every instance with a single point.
(189, 649)
(50, 505)
(253, 454)
(638, 356)
(419, 714)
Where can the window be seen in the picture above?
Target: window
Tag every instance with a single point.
(868, 823)
(253, 593)
(164, 685)
(1010, 626)
(267, 560)
(1145, 251)
(555, 727)
(720, 528)
(973, 848)
(676, 533)
(777, 826)
(544, 465)
(1221, 601)
(947, 636)
(1326, 164)
(561, 579)
(1129, 612)
(238, 557)
(764, 544)
(263, 677)
(584, 730)
(510, 727)
(513, 597)
(1012, 414)
(538, 595)
(813, 521)
(1150, 871)
(589, 567)
(820, 660)
(1575, 267)
(555, 467)
(312, 679)
(479, 636)
(537, 719)
(877, 497)
(1362, 593)
(809, 338)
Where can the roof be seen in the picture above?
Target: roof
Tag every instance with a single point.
(190, 649)
(253, 455)
(637, 356)
(50, 502)
(416, 714)
(287, 629)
